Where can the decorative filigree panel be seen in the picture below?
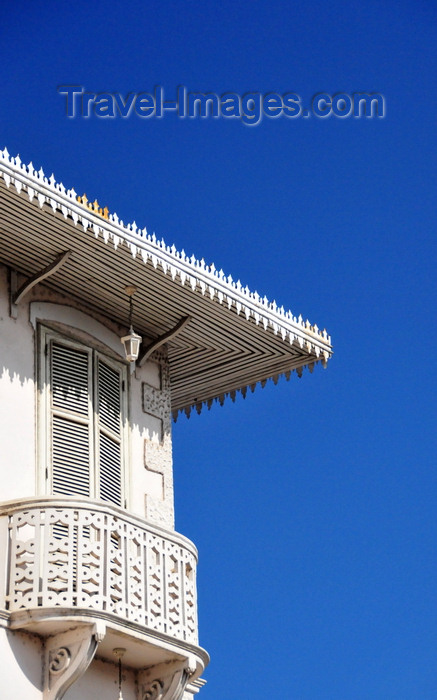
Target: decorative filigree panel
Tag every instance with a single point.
(71, 556)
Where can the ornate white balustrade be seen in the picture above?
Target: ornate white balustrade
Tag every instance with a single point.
(73, 553)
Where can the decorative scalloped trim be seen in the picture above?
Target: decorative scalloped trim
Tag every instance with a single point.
(203, 278)
(188, 270)
(200, 405)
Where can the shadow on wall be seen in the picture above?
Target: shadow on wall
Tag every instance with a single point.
(21, 355)
(100, 680)
(28, 653)
(14, 376)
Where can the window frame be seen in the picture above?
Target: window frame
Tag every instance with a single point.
(46, 335)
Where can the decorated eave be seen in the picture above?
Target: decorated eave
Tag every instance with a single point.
(233, 340)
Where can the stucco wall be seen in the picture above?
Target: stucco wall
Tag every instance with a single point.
(101, 681)
(17, 400)
(21, 666)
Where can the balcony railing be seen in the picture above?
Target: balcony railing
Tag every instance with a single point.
(92, 556)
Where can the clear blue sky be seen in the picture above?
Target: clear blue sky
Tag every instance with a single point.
(313, 503)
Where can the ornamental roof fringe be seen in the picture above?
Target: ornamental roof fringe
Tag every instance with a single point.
(189, 271)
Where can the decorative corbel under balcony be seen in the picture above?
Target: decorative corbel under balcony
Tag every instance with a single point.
(78, 563)
(67, 656)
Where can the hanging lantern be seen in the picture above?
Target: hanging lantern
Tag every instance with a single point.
(131, 341)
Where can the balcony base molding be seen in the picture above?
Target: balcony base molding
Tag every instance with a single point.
(67, 656)
(164, 670)
(4, 619)
(74, 567)
(145, 647)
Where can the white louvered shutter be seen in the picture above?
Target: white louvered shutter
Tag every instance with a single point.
(71, 419)
(109, 430)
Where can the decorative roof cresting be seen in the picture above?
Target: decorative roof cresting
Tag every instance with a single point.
(188, 270)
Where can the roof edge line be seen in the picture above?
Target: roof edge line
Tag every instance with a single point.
(178, 264)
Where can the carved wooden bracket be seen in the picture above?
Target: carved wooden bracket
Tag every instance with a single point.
(162, 339)
(165, 681)
(18, 294)
(67, 656)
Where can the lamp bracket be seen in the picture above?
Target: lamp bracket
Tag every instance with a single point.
(130, 289)
(168, 335)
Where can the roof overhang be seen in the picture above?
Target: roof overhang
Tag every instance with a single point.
(234, 338)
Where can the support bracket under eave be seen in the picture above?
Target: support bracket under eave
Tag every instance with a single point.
(16, 295)
(164, 338)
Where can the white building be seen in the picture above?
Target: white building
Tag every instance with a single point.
(89, 559)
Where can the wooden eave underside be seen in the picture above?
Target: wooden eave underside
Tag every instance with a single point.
(219, 352)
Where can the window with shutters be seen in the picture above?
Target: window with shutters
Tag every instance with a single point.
(82, 412)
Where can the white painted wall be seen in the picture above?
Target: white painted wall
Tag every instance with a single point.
(21, 678)
(150, 491)
(17, 401)
(21, 666)
(101, 681)
(150, 461)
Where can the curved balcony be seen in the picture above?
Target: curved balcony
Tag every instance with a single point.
(78, 558)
